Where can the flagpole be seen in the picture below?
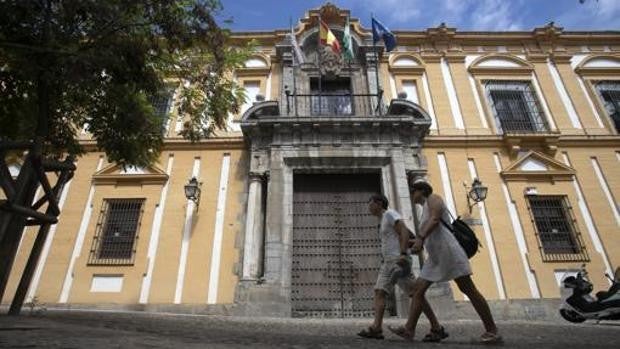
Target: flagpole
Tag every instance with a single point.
(319, 61)
(374, 46)
(290, 19)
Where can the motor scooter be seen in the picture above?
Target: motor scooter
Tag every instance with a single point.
(578, 305)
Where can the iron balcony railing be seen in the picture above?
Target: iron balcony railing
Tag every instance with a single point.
(334, 104)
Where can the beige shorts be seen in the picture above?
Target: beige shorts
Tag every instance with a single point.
(386, 279)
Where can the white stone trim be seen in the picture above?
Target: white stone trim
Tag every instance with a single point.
(498, 63)
(543, 102)
(268, 87)
(599, 121)
(46, 247)
(488, 237)
(605, 188)
(216, 251)
(429, 102)
(154, 240)
(107, 283)
(411, 88)
(519, 235)
(393, 85)
(187, 232)
(474, 90)
(454, 102)
(445, 182)
(585, 212)
(568, 103)
(79, 241)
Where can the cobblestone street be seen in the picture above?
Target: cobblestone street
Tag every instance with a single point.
(77, 329)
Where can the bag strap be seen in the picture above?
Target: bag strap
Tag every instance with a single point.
(449, 226)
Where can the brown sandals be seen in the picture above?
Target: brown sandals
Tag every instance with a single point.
(402, 332)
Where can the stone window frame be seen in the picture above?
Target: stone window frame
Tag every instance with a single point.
(521, 73)
(592, 76)
(102, 232)
(580, 253)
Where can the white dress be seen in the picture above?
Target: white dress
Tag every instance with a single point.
(446, 258)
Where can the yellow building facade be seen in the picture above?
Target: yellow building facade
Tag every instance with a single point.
(535, 115)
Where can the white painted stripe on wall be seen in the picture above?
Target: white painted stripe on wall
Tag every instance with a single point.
(543, 102)
(445, 182)
(488, 237)
(79, 241)
(474, 90)
(393, 85)
(216, 253)
(46, 247)
(519, 235)
(599, 122)
(469, 59)
(155, 232)
(187, 232)
(568, 103)
(605, 187)
(585, 212)
(268, 88)
(454, 101)
(618, 155)
(429, 101)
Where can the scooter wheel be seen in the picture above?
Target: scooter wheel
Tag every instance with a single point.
(572, 316)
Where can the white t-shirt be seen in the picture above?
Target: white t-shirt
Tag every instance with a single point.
(390, 244)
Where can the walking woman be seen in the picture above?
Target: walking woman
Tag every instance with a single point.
(446, 261)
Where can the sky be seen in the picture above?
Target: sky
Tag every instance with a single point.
(417, 15)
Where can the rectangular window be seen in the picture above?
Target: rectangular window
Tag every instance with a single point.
(557, 234)
(609, 92)
(116, 234)
(252, 89)
(332, 97)
(162, 102)
(410, 88)
(516, 108)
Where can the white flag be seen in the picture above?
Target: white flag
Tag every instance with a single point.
(299, 56)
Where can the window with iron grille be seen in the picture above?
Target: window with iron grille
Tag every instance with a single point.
(558, 237)
(116, 234)
(161, 102)
(610, 95)
(515, 107)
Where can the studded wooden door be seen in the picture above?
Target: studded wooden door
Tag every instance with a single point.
(336, 247)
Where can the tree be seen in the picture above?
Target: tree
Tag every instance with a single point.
(70, 64)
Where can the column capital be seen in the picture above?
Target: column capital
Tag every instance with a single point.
(259, 176)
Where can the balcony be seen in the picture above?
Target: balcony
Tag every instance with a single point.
(334, 104)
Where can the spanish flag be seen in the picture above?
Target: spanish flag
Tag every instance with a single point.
(328, 38)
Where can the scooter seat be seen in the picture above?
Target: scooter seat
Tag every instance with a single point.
(602, 295)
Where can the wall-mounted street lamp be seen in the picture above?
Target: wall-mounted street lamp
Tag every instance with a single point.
(192, 190)
(477, 193)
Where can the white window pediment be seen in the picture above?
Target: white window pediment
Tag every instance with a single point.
(602, 63)
(533, 165)
(405, 62)
(498, 63)
(255, 63)
(130, 170)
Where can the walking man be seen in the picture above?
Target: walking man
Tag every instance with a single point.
(446, 261)
(395, 268)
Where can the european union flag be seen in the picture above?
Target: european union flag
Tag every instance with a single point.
(381, 32)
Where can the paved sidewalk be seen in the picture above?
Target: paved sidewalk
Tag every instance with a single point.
(93, 330)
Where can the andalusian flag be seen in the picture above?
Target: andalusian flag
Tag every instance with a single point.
(347, 42)
(328, 38)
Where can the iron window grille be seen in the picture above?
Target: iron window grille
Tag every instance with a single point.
(116, 234)
(609, 92)
(516, 108)
(162, 102)
(554, 222)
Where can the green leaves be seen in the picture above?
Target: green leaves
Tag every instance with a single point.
(98, 60)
